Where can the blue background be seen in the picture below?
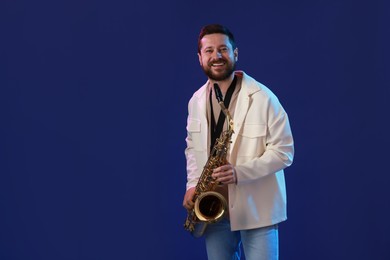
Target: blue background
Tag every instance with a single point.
(93, 105)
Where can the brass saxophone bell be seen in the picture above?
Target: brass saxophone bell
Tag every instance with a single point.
(210, 207)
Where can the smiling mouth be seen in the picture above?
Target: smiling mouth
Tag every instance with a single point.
(217, 64)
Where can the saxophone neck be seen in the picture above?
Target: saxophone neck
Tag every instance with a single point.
(219, 96)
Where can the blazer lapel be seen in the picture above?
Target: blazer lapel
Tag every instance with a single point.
(239, 114)
(202, 99)
(248, 87)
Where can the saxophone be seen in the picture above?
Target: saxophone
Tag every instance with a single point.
(210, 206)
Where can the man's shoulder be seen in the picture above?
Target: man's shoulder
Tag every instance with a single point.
(198, 96)
(252, 86)
(200, 92)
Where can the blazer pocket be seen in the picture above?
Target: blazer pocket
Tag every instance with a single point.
(193, 125)
(251, 140)
(253, 131)
(194, 131)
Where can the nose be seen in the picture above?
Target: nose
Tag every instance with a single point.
(218, 55)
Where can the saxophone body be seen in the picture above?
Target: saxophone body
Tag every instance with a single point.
(210, 206)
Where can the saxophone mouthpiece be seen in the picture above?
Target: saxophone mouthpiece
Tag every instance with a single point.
(218, 93)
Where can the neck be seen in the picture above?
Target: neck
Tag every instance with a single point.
(223, 84)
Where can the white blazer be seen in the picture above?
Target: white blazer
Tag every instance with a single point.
(262, 146)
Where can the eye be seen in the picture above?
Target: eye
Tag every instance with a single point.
(208, 51)
(223, 49)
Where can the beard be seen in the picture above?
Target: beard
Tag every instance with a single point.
(230, 68)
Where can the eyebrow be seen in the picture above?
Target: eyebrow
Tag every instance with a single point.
(220, 46)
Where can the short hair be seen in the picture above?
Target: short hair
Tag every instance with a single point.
(216, 28)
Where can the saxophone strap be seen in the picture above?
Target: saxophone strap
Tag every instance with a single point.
(216, 128)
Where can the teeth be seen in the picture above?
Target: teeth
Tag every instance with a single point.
(217, 64)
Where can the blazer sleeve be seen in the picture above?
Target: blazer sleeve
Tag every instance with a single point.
(196, 140)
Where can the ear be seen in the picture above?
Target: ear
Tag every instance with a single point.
(200, 59)
(235, 54)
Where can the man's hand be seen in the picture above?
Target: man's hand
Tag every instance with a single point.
(226, 174)
(187, 201)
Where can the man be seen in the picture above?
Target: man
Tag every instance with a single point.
(262, 146)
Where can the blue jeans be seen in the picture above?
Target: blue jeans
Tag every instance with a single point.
(258, 244)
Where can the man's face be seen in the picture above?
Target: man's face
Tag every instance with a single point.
(217, 57)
